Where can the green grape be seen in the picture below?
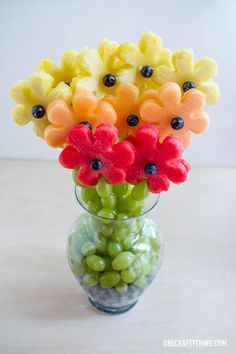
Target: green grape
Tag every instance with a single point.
(129, 241)
(103, 188)
(88, 248)
(121, 287)
(118, 234)
(88, 193)
(121, 216)
(123, 260)
(129, 190)
(109, 279)
(142, 245)
(106, 230)
(106, 213)
(114, 248)
(121, 204)
(141, 281)
(137, 266)
(154, 244)
(96, 263)
(77, 268)
(128, 275)
(138, 211)
(101, 243)
(108, 263)
(120, 189)
(143, 259)
(146, 269)
(90, 279)
(94, 206)
(140, 191)
(131, 204)
(109, 202)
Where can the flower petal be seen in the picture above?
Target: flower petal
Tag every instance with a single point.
(21, 93)
(84, 103)
(176, 170)
(71, 158)
(199, 122)
(21, 115)
(163, 74)
(123, 154)
(150, 111)
(147, 138)
(205, 69)
(170, 94)
(114, 175)
(81, 137)
(135, 173)
(39, 126)
(88, 83)
(193, 101)
(48, 66)
(105, 136)
(61, 91)
(89, 61)
(104, 113)
(171, 148)
(183, 60)
(63, 121)
(158, 183)
(211, 90)
(130, 54)
(87, 177)
(150, 44)
(107, 49)
(41, 84)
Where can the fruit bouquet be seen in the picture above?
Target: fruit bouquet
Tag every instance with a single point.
(122, 116)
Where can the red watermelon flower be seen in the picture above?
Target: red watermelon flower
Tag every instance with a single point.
(97, 154)
(158, 163)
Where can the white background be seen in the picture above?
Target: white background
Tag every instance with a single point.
(30, 30)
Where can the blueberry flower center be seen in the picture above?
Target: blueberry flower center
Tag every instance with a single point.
(132, 120)
(38, 111)
(87, 124)
(146, 71)
(188, 85)
(177, 123)
(96, 165)
(150, 169)
(109, 80)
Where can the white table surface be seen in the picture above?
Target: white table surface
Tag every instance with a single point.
(44, 310)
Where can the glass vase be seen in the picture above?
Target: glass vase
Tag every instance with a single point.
(115, 260)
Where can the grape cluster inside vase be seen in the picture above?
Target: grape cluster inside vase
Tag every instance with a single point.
(115, 260)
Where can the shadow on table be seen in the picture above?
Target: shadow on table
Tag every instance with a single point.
(52, 302)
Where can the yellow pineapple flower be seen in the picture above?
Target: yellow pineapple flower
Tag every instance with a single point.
(66, 72)
(98, 69)
(33, 97)
(141, 61)
(188, 74)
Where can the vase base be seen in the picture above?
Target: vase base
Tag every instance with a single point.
(109, 310)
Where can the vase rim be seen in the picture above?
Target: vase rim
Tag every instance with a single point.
(155, 198)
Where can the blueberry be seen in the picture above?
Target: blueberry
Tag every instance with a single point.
(146, 71)
(177, 123)
(87, 124)
(187, 85)
(109, 80)
(150, 169)
(132, 120)
(96, 165)
(38, 111)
